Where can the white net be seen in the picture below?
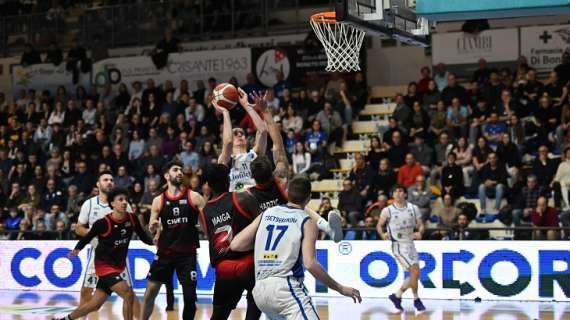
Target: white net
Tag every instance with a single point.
(342, 44)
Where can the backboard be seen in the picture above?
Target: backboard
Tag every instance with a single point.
(394, 18)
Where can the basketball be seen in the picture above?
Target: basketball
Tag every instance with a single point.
(226, 95)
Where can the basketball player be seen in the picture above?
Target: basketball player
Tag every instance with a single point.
(402, 218)
(92, 210)
(176, 209)
(224, 216)
(283, 238)
(270, 186)
(114, 232)
(235, 152)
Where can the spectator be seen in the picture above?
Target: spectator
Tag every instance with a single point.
(453, 90)
(12, 222)
(324, 208)
(420, 195)
(457, 118)
(77, 60)
(41, 233)
(136, 146)
(376, 153)
(54, 54)
(83, 180)
(51, 196)
(494, 182)
(544, 168)
(422, 153)
(301, 159)
(122, 179)
(480, 154)
(384, 179)
(281, 85)
(369, 233)
(350, 203)
(361, 175)
(74, 202)
(527, 201)
(188, 156)
(412, 96)
(16, 196)
(464, 159)
(494, 130)
(402, 112)
(441, 149)
(409, 172)
(375, 209)
(431, 98)
(447, 217)
(419, 120)
(441, 76)
(452, 175)
(544, 216)
(423, 84)
(30, 56)
(397, 150)
(331, 123)
(462, 231)
(61, 231)
(32, 198)
(482, 74)
(316, 140)
(561, 181)
(292, 121)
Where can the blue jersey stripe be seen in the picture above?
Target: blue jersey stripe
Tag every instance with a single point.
(297, 299)
(310, 302)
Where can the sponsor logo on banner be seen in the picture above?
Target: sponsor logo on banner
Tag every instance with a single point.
(190, 66)
(521, 270)
(269, 64)
(461, 51)
(543, 46)
(45, 76)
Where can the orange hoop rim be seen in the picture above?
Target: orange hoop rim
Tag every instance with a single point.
(328, 17)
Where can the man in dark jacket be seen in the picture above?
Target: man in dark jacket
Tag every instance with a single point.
(494, 182)
(350, 203)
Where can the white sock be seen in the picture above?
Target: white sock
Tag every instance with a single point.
(323, 225)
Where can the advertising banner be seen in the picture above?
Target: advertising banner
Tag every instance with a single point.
(543, 45)
(517, 270)
(45, 76)
(461, 51)
(191, 66)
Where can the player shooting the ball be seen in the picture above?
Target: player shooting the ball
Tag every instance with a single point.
(235, 144)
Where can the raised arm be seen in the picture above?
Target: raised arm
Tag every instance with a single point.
(227, 138)
(260, 126)
(279, 154)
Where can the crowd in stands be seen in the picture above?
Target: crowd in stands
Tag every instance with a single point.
(501, 135)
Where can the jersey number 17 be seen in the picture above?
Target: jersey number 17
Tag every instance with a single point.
(270, 228)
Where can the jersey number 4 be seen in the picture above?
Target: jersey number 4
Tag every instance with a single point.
(270, 228)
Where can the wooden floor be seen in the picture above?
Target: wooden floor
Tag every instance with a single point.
(44, 305)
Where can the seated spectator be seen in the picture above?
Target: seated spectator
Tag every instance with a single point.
(122, 179)
(54, 55)
(350, 203)
(480, 154)
(41, 233)
(508, 154)
(188, 156)
(419, 120)
(424, 82)
(331, 123)
(361, 176)
(462, 231)
(422, 153)
(397, 150)
(301, 159)
(544, 168)
(494, 130)
(441, 149)
(420, 195)
(409, 172)
(12, 222)
(438, 119)
(452, 178)
(25, 231)
(61, 231)
(52, 195)
(376, 153)
(561, 181)
(384, 179)
(545, 216)
(527, 201)
(30, 56)
(316, 141)
(292, 121)
(375, 209)
(493, 182)
(402, 112)
(447, 217)
(457, 118)
(74, 202)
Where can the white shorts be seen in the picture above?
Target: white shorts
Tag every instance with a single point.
(284, 298)
(90, 279)
(405, 253)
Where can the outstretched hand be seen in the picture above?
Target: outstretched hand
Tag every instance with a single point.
(352, 293)
(260, 102)
(219, 109)
(243, 98)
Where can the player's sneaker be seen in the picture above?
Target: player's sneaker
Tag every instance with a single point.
(396, 301)
(419, 305)
(335, 224)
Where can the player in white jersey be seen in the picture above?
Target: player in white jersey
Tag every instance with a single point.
(235, 152)
(402, 219)
(283, 239)
(92, 210)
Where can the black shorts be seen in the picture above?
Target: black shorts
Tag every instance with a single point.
(228, 290)
(162, 270)
(105, 283)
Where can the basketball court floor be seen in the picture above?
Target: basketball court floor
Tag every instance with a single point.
(44, 305)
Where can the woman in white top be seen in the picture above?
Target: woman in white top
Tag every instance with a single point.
(464, 159)
(57, 115)
(301, 159)
(136, 146)
(292, 121)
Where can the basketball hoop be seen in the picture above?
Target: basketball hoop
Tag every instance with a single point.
(342, 41)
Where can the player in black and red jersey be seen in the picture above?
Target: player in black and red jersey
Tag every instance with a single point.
(270, 186)
(224, 216)
(177, 209)
(114, 232)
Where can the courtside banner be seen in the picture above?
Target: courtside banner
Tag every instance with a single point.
(45, 76)
(496, 270)
(190, 66)
(543, 46)
(461, 51)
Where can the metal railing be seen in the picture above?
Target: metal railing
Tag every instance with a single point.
(144, 23)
